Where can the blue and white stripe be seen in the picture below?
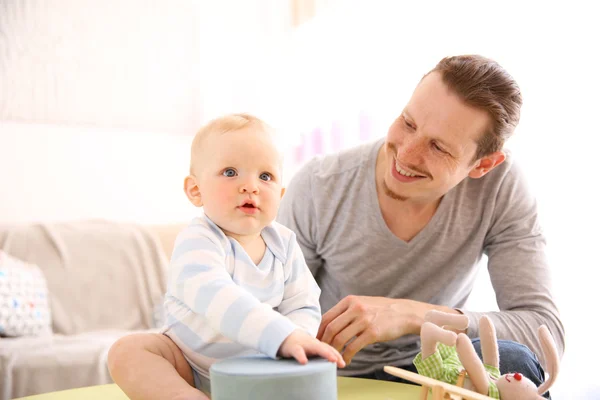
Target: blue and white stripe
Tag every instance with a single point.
(220, 304)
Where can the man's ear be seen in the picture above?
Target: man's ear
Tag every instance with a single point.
(282, 191)
(486, 164)
(192, 190)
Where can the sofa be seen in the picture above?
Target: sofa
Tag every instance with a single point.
(104, 280)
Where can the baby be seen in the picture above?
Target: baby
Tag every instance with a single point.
(238, 283)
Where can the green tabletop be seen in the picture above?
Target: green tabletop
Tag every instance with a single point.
(348, 389)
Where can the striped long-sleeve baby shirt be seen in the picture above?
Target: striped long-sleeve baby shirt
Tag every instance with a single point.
(220, 304)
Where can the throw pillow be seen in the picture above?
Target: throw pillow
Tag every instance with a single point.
(24, 308)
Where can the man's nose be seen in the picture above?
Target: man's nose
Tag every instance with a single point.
(411, 150)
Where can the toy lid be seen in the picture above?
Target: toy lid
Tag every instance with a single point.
(260, 365)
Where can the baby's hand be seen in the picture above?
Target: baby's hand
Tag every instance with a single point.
(300, 345)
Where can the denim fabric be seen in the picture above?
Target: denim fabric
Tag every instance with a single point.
(514, 357)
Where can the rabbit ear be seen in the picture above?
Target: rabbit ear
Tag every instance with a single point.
(551, 356)
(489, 344)
(473, 365)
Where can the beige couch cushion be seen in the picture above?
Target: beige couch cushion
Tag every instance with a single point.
(45, 364)
(101, 275)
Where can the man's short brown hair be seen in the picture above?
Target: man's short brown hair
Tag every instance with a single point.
(484, 84)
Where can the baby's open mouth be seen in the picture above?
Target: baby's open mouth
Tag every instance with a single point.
(249, 207)
(248, 204)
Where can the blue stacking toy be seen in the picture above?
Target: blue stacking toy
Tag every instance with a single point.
(262, 378)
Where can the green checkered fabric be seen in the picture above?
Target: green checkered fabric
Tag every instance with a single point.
(494, 373)
(445, 366)
(442, 365)
(493, 389)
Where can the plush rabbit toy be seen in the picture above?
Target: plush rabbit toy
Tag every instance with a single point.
(444, 354)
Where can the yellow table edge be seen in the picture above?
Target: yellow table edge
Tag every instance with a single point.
(348, 389)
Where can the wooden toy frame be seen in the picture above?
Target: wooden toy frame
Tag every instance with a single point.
(440, 390)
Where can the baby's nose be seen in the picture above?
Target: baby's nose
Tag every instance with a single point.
(249, 186)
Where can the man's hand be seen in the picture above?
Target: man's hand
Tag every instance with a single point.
(369, 320)
(300, 345)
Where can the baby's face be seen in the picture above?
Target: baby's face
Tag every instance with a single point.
(240, 181)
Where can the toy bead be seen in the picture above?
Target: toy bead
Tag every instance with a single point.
(518, 376)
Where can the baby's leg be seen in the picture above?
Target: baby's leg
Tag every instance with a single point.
(469, 358)
(489, 343)
(431, 334)
(150, 366)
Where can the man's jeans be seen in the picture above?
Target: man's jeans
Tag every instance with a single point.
(514, 357)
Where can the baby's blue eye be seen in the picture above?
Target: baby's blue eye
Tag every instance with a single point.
(229, 172)
(265, 176)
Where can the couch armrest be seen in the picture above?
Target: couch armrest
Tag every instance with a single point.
(34, 365)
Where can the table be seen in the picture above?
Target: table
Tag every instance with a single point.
(348, 389)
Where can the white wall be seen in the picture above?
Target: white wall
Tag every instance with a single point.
(124, 64)
(58, 172)
(149, 65)
(99, 99)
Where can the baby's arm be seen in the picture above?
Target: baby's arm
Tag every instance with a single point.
(199, 279)
(301, 305)
(301, 293)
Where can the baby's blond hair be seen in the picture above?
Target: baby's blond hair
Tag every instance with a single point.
(221, 125)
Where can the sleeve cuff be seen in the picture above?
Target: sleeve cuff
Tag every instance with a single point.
(473, 328)
(274, 334)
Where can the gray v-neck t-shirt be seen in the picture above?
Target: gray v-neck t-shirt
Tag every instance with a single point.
(331, 204)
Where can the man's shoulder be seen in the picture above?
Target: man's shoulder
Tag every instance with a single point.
(343, 162)
(326, 180)
(507, 179)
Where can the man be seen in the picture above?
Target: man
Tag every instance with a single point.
(395, 228)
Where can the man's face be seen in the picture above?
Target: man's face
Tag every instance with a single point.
(430, 147)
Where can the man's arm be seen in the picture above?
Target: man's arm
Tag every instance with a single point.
(519, 270)
(297, 212)
(358, 321)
